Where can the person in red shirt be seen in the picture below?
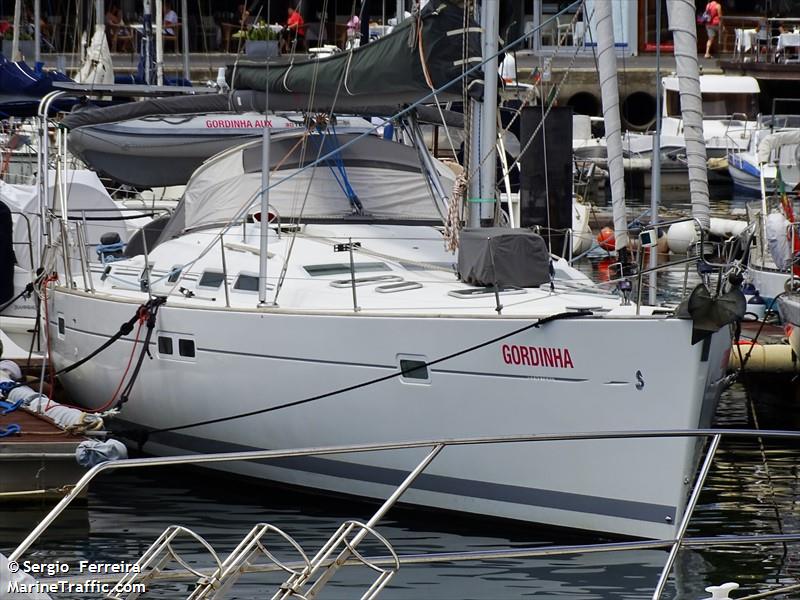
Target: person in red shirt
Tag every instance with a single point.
(295, 30)
(714, 20)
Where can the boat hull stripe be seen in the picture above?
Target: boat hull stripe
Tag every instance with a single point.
(498, 492)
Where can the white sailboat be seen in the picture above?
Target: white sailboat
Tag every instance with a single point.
(270, 338)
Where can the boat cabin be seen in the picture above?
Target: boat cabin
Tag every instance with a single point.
(723, 96)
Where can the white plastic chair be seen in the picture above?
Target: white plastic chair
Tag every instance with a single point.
(565, 30)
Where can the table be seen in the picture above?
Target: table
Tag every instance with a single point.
(787, 42)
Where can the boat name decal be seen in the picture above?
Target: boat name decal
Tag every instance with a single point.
(535, 356)
(242, 123)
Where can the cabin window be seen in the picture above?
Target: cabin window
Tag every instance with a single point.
(414, 369)
(186, 348)
(717, 105)
(164, 345)
(340, 268)
(211, 279)
(62, 326)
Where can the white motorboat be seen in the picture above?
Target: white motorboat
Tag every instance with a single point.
(729, 105)
(773, 146)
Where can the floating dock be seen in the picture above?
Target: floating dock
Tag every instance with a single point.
(37, 457)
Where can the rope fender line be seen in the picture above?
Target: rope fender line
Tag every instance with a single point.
(150, 320)
(146, 311)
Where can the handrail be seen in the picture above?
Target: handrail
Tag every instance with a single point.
(198, 459)
(700, 257)
(29, 243)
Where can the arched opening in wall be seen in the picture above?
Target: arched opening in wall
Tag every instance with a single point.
(638, 111)
(585, 103)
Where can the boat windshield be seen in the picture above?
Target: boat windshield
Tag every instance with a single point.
(716, 105)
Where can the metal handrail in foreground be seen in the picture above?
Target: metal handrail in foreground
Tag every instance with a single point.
(435, 447)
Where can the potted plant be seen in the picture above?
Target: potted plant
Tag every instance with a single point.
(261, 41)
(27, 46)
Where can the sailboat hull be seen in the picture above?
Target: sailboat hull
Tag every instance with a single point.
(608, 376)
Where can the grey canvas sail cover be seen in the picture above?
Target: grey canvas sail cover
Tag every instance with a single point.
(390, 72)
(236, 101)
(176, 105)
(497, 255)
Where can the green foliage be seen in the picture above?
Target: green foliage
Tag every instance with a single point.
(261, 32)
(23, 36)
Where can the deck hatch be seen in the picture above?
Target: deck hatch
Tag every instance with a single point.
(211, 279)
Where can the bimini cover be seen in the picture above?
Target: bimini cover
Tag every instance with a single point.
(384, 176)
(774, 142)
(494, 255)
(86, 197)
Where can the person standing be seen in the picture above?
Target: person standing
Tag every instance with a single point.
(713, 19)
(170, 19)
(295, 31)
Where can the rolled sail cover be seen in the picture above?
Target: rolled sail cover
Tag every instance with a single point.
(391, 71)
(507, 257)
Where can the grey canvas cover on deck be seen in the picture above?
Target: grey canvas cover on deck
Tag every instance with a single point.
(506, 257)
(389, 72)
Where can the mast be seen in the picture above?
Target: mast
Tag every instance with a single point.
(147, 37)
(185, 37)
(15, 39)
(159, 43)
(490, 13)
(99, 14)
(264, 239)
(263, 255)
(609, 91)
(655, 179)
(37, 30)
(681, 15)
(483, 121)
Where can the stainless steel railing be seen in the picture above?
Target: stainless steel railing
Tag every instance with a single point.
(435, 447)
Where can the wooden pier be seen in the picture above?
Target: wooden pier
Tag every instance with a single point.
(39, 461)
